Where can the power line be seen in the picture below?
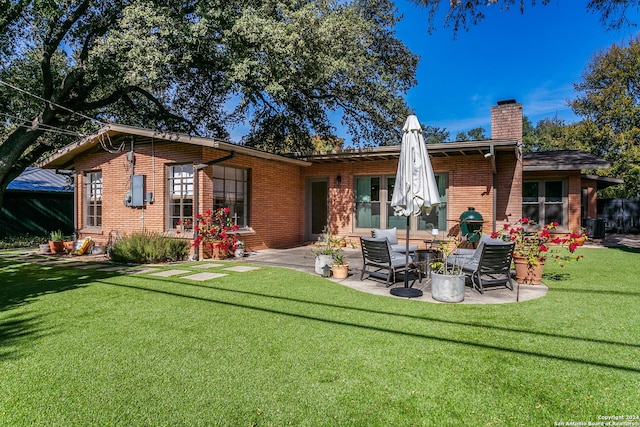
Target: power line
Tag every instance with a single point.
(47, 128)
(51, 102)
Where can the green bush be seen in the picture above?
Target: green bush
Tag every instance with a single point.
(22, 241)
(149, 247)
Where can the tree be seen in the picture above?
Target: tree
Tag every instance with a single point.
(434, 134)
(475, 134)
(463, 14)
(549, 134)
(199, 66)
(609, 101)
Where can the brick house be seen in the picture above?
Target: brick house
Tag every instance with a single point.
(131, 179)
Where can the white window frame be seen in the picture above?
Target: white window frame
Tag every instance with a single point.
(231, 189)
(93, 199)
(385, 194)
(180, 181)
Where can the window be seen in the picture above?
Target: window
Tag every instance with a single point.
(180, 197)
(230, 189)
(545, 201)
(372, 213)
(93, 207)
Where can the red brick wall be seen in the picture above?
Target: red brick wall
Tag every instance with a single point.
(506, 121)
(470, 184)
(275, 192)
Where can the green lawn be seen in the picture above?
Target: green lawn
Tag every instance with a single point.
(277, 347)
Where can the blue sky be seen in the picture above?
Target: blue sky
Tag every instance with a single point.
(533, 58)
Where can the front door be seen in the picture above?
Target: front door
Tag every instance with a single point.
(317, 207)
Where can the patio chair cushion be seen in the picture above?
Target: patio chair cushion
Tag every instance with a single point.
(471, 257)
(391, 234)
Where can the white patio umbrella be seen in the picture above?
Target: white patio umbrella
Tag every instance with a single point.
(415, 189)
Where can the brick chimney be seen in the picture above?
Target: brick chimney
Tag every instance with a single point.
(506, 120)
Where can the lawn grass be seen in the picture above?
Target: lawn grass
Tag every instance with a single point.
(278, 347)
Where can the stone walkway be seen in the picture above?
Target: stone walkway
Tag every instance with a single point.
(197, 272)
(302, 259)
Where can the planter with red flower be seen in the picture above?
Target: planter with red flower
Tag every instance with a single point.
(534, 246)
(215, 231)
(578, 238)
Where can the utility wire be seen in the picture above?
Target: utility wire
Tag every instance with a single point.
(47, 128)
(51, 102)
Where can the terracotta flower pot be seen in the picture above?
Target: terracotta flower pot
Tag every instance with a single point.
(340, 271)
(56, 246)
(68, 246)
(528, 274)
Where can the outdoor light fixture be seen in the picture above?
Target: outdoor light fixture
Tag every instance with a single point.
(488, 155)
(338, 180)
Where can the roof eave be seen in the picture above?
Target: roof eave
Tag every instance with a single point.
(64, 158)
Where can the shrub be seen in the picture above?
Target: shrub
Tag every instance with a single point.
(149, 247)
(22, 241)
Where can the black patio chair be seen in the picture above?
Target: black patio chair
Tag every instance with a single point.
(378, 260)
(493, 267)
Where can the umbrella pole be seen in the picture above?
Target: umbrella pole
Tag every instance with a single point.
(406, 257)
(406, 291)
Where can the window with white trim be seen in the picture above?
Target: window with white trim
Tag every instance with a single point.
(231, 189)
(180, 194)
(93, 201)
(373, 205)
(545, 201)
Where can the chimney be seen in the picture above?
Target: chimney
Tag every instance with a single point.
(506, 120)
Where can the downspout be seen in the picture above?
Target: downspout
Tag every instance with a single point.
(196, 195)
(495, 184)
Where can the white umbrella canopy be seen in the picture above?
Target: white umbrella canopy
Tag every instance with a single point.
(415, 189)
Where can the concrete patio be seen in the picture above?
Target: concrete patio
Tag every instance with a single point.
(302, 259)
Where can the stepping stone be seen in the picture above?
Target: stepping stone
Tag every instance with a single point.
(90, 266)
(51, 262)
(70, 263)
(201, 277)
(206, 265)
(169, 273)
(241, 268)
(114, 268)
(142, 271)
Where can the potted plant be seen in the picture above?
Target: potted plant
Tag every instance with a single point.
(213, 230)
(323, 250)
(55, 242)
(534, 246)
(339, 266)
(579, 237)
(238, 248)
(447, 278)
(68, 243)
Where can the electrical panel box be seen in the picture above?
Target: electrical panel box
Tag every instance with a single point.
(137, 191)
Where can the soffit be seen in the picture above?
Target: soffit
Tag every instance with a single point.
(112, 136)
(392, 152)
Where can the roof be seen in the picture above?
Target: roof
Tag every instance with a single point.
(603, 182)
(35, 179)
(561, 160)
(445, 149)
(110, 134)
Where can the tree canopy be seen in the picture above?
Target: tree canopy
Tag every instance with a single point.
(609, 102)
(464, 14)
(201, 66)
